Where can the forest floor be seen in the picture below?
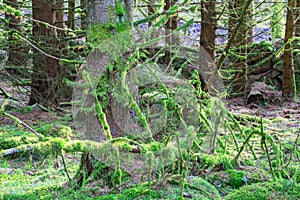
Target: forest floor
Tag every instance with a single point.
(38, 176)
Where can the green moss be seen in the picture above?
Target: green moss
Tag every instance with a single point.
(75, 146)
(11, 142)
(208, 190)
(55, 130)
(235, 178)
(138, 192)
(210, 161)
(99, 32)
(120, 9)
(58, 144)
(270, 190)
(18, 196)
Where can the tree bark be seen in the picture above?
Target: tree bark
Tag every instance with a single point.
(83, 14)
(208, 27)
(45, 77)
(297, 46)
(171, 25)
(71, 14)
(289, 88)
(239, 47)
(16, 54)
(100, 12)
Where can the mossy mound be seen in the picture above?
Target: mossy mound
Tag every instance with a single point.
(196, 188)
(270, 190)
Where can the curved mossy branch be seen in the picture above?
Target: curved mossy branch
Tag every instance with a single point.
(100, 113)
(246, 142)
(237, 125)
(17, 120)
(232, 135)
(132, 103)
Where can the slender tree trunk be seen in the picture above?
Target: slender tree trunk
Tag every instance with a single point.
(239, 47)
(151, 11)
(16, 51)
(64, 90)
(83, 14)
(71, 14)
(208, 27)
(171, 25)
(297, 46)
(289, 88)
(45, 77)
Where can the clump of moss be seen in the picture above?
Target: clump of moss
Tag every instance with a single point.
(208, 190)
(55, 130)
(11, 142)
(284, 189)
(235, 178)
(208, 161)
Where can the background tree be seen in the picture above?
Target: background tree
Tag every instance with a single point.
(71, 14)
(45, 77)
(208, 27)
(297, 45)
(239, 29)
(289, 87)
(277, 20)
(16, 50)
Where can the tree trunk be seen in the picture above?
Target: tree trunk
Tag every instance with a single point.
(100, 14)
(16, 51)
(277, 20)
(239, 47)
(45, 77)
(171, 25)
(208, 27)
(151, 11)
(297, 47)
(59, 20)
(83, 14)
(64, 90)
(289, 88)
(71, 14)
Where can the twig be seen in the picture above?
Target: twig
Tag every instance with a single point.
(6, 95)
(49, 25)
(65, 166)
(18, 121)
(41, 51)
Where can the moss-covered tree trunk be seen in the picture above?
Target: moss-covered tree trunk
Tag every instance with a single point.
(105, 17)
(289, 87)
(45, 77)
